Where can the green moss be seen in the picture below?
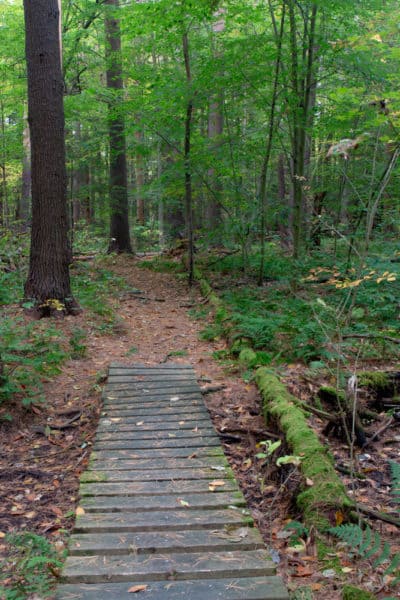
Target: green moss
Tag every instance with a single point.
(327, 491)
(93, 476)
(248, 357)
(350, 592)
(376, 380)
(330, 394)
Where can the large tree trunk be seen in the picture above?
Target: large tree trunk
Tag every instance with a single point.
(50, 254)
(119, 225)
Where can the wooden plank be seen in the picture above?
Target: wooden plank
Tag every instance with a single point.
(162, 502)
(167, 443)
(148, 383)
(162, 453)
(249, 588)
(215, 463)
(201, 565)
(174, 390)
(156, 378)
(157, 520)
(117, 424)
(184, 403)
(139, 433)
(109, 544)
(162, 420)
(149, 368)
(155, 435)
(154, 411)
(165, 474)
(148, 488)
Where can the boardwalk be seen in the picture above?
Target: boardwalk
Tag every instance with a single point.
(163, 516)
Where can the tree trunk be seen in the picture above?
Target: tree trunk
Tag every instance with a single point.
(50, 253)
(302, 80)
(118, 180)
(139, 179)
(187, 155)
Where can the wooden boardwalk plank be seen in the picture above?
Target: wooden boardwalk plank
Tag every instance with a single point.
(117, 424)
(178, 566)
(186, 501)
(193, 452)
(215, 463)
(160, 506)
(155, 475)
(163, 443)
(162, 520)
(249, 588)
(192, 540)
(149, 488)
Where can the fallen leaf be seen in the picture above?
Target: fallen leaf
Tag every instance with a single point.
(215, 484)
(302, 571)
(182, 502)
(316, 587)
(137, 588)
(2, 534)
(80, 511)
(140, 423)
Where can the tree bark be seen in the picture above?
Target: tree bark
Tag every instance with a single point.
(118, 179)
(50, 252)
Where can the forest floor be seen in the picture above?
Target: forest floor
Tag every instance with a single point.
(43, 451)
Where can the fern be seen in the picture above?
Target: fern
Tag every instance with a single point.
(367, 544)
(395, 471)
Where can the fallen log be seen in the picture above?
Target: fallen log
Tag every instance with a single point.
(327, 494)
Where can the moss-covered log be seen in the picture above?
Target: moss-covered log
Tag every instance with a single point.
(327, 494)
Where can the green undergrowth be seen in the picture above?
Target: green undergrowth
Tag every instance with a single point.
(160, 264)
(34, 351)
(308, 310)
(33, 562)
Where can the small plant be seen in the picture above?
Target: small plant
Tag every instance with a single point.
(270, 448)
(33, 562)
(367, 544)
(298, 531)
(395, 471)
(78, 348)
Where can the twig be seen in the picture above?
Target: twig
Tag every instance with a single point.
(317, 411)
(377, 515)
(137, 297)
(376, 336)
(381, 430)
(210, 389)
(347, 471)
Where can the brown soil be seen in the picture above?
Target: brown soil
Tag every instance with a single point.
(40, 468)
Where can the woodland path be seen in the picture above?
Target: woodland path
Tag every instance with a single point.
(160, 510)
